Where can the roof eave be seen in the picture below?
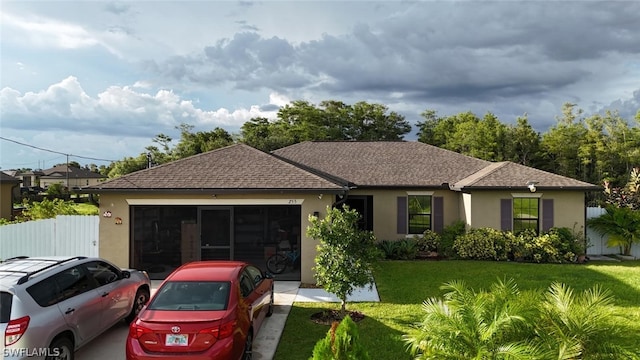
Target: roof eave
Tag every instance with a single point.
(212, 190)
(526, 189)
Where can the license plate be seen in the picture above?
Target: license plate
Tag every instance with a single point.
(177, 340)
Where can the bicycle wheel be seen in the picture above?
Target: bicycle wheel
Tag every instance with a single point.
(277, 263)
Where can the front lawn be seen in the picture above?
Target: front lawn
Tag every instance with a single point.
(404, 285)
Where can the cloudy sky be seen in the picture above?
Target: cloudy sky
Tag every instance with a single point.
(100, 79)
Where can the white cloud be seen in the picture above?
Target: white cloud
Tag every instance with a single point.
(40, 31)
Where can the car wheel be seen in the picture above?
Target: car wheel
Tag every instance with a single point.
(142, 296)
(61, 349)
(270, 310)
(248, 347)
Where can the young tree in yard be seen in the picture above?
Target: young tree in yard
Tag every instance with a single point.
(345, 254)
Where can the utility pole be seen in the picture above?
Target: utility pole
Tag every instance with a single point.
(68, 187)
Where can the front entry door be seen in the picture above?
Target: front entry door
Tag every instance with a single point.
(215, 233)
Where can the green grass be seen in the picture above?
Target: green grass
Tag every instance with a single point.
(404, 285)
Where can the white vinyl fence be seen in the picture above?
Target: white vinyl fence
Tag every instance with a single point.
(599, 242)
(66, 235)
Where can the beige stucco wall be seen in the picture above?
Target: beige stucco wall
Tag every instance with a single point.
(483, 207)
(478, 209)
(73, 182)
(115, 241)
(385, 209)
(6, 202)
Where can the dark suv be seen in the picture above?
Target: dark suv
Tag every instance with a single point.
(51, 306)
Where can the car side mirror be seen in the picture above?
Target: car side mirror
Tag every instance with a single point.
(268, 275)
(126, 274)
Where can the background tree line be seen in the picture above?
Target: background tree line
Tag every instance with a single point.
(592, 149)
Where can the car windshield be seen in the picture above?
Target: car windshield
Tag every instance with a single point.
(191, 295)
(5, 306)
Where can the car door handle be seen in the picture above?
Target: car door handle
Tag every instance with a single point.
(69, 311)
(105, 293)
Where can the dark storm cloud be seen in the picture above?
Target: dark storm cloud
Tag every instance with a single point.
(449, 52)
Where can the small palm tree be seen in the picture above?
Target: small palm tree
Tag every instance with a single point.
(474, 325)
(579, 326)
(622, 224)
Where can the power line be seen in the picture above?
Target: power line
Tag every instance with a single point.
(55, 152)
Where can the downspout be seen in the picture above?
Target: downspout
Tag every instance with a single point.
(343, 198)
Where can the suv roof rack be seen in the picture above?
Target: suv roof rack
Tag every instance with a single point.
(27, 275)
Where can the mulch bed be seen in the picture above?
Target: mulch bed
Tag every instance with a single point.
(328, 317)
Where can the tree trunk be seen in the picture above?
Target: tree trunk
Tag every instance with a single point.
(343, 308)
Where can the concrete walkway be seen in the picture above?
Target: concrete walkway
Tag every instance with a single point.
(286, 293)
(266, 342)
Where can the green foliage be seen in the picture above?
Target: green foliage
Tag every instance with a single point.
(448, 238)
(505, 323)
(483, 244)
(341, 343)
(579, 326)
(622, 224)
(402, 249)
(199, 142)
(331, 120)
(627, 196)
(57, 189)
(388, 248)
(345, 255)
(466, 324)
(404, 285)
(46, 209)
(429, 240)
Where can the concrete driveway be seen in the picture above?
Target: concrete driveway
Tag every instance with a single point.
(110, 345)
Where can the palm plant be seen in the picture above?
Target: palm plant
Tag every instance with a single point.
(474, 325)
(579, 327)
(622, 224)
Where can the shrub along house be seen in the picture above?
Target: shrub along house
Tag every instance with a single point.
(240, 203)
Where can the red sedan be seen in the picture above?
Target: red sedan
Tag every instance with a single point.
(203, 310)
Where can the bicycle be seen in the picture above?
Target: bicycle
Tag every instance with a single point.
(278, 262)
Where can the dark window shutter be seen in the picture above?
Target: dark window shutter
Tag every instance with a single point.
(402, 215)
(438, 214)
(506, 215)
(547, 214)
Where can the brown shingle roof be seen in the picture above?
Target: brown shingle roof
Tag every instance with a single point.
(511, 175)
(411, 164)
(60, 171)
(384, 163)
(235, 167)
(6, 178)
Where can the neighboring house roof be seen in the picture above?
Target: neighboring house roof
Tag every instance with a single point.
(60, 171)
(6, 178)
(233, 168)
(507, 174)
(12, 173)
(384, 163)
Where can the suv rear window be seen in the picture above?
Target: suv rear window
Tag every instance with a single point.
(45, 293)
(5, 307)
(191, 295)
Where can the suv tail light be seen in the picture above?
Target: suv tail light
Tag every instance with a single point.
(15, 329)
